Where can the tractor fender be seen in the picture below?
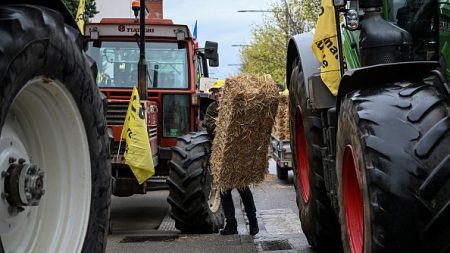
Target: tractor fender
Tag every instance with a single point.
(299, 47)
(381, 74)
(56, 5)
(317, 93)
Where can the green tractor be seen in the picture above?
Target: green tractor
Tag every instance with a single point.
(372, 163)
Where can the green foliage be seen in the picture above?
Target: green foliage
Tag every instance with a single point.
(267, 51)
(90, 9)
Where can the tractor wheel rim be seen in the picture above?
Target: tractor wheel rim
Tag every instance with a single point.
(214, 199)
(213, 193)
(44, 127)
(353, 205)
(301, 154)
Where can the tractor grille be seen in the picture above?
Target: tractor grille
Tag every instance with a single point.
(115, 148)
(116, 113)
(152, 134)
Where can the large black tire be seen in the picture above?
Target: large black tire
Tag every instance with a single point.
(36, 45)
(393, 160)
(319, 222)
(195, 203)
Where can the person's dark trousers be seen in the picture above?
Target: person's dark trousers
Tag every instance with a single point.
(247, 200)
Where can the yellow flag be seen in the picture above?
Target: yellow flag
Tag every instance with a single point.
(126, 122)
(80, 15)
(325, 47)
(138, 154)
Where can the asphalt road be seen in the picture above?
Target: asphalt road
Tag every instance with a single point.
(141, 224)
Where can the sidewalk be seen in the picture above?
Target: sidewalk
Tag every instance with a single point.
(184, 243)
(168, 239)
(277, 213)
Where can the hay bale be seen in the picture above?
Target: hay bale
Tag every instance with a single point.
(281, 126)
(245, 120)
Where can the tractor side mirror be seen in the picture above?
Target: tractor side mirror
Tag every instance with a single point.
(211, 53)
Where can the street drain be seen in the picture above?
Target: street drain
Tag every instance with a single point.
(276, 245)
(152, 238)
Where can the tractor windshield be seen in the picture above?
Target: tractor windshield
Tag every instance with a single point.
(117, 64)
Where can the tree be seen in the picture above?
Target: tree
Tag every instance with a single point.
(267, 51)
(90, 9)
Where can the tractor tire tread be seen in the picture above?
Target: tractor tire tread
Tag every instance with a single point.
(318, 220)
(187, 186)
(406, 149)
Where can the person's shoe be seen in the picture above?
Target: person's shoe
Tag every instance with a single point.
(254, 229)
(230, 228)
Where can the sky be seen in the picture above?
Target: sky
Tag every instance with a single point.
(217, 20)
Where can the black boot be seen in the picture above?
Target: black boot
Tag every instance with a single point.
(254, 229)
(230, 228)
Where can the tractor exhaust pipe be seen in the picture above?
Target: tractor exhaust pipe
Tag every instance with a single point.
(142, 64)
(382, 42)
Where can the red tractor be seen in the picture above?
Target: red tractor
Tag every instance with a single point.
(174, 104)
(176, 73)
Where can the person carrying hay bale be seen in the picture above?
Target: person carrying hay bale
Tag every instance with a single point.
(243, 131)
(230, 228)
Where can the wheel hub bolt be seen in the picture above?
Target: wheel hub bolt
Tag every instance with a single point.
(24, 185)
